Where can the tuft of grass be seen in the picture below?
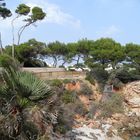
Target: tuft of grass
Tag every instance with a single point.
(68, 97)
(56, 83)
(65, 81)
(90, 79)
(111, 106)
(85, 90)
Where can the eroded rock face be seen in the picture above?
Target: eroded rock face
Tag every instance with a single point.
(120, 126)
(73, 86)
(132, 96)
(128, 123)
(135, 102)
(132, 90)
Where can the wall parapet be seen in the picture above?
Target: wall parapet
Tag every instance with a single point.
(55, 73)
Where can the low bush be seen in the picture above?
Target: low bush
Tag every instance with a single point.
(69, 97)
(85, 89)
(80, 108)
(62, 126)
(93, 109)
(56, 83)
(6, 61)
(126, 76)
(65, 118)
(65, 81)
(112, 80)
(117, 84)
(90, 79)
(113, 105)
(32, 62)
(100, 75)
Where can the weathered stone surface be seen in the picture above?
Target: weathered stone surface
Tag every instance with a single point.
(86, 133)
(131, 94)
(118, 126)
(134, 102)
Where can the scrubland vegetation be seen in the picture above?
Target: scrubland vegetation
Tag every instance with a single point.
(33, 109)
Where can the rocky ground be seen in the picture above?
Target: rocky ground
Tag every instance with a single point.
(120, 126)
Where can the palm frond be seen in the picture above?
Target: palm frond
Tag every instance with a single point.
(23, 102)
(7, 77)
(26, 85)
(5, 93)
(29, 85)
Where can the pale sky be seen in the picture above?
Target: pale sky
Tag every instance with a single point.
(71, 20)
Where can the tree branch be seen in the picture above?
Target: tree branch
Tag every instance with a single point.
(22, 29)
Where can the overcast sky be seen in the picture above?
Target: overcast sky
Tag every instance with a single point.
(71, 20)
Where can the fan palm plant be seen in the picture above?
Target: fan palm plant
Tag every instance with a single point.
(23, 87)
(19, 90)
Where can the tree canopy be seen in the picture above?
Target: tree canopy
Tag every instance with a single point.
(132, 52)
(107, 51)
(4, 12)
(104, 53)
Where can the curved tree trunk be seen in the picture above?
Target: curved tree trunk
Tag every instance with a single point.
(22, 29)
(13, 36)
(1, 48)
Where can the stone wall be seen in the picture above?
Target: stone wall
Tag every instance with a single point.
(55, 73)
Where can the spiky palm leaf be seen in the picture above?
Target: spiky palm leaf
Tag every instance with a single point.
(35, 88)
(23, 85)
(5, 93)
(20, 89)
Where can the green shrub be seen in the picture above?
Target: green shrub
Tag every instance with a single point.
(32, 62)
(92, 110)
(112, 105)
(68, 97)
(85, 89)
(64, 121)
(66, 116)
(56, 83)
(127, 76)
(90, 79)
(61, 128)
(65, 81)
(80, 108)
(30, 130)
(117, 83)
(100, 75)
(112, 80)
(6, 61)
